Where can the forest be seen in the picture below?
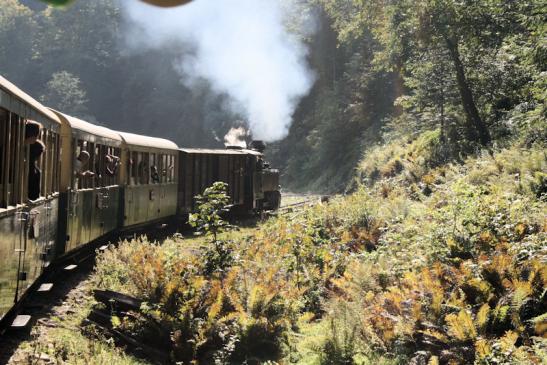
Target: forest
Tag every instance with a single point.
(383, 69)
(426, 122)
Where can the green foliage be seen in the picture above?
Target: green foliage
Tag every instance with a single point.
(210, 206)
(218, 254)
(64, 92)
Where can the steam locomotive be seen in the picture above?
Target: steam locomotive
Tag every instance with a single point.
(130, 182)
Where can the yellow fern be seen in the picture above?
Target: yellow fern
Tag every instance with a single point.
(461, 326)
(507, 342)
(482, 316)
(482, 348)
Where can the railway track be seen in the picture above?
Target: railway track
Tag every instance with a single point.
(302, 201)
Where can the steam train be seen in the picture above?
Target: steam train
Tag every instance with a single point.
(130, 182)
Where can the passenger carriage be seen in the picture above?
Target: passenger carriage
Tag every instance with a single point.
(150, 176)
(91, 206)
(28, 228)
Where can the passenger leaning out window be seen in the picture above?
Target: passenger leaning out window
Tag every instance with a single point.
(154, 174)
(112, 163)
(80, 165)
(32, 132)
(34, 174)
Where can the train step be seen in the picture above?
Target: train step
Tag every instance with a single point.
(21, 321)
(104, 248)
(44, 288)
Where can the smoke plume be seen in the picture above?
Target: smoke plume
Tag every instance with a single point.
(236, 137)
(241, 47)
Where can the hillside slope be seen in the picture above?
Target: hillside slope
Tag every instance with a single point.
(425, 266)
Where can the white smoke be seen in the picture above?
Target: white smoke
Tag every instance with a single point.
(241, 47)
(236, 137)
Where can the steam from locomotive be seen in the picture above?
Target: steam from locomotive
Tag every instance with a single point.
(241, 47)
(236, 137)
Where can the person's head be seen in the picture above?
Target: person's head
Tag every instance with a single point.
(35, 150)
(83, 157)
(32, 131)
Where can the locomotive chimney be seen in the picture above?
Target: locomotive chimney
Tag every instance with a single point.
(258, 145)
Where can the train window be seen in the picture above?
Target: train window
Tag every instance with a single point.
(77, 181)
(89, 178)
(56, 156)
(134, 163)
(12, 159)
(154, 172)
(97, 165)
(84, 163)
(110, 166)
(4, 124)
(144, 172)
(171, 168)
(117, 153)
(41, 163)
(163, 168)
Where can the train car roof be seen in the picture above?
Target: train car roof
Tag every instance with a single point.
(221, 151)
(11, 88)
(145, 141)
(90, 128)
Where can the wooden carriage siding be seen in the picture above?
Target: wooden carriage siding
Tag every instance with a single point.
(28, 229)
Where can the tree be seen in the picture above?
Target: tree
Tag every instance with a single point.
(408, 28)
(208, 221)
(64, 92)
(18, 29)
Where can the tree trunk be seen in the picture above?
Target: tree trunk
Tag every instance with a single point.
(471, 111)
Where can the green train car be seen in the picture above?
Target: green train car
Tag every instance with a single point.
(89, 184)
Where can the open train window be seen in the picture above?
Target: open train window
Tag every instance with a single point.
(56, 156)
(133, 167)
(4, 131)
(42, 164)
(170, 168)
(163, 168)
(12, 156)
(111, 161)
(155, 168)
(84, 162)
(106, 165)
(144, 171)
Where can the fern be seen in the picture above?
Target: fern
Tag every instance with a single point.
(461, 326)
(482, 317)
